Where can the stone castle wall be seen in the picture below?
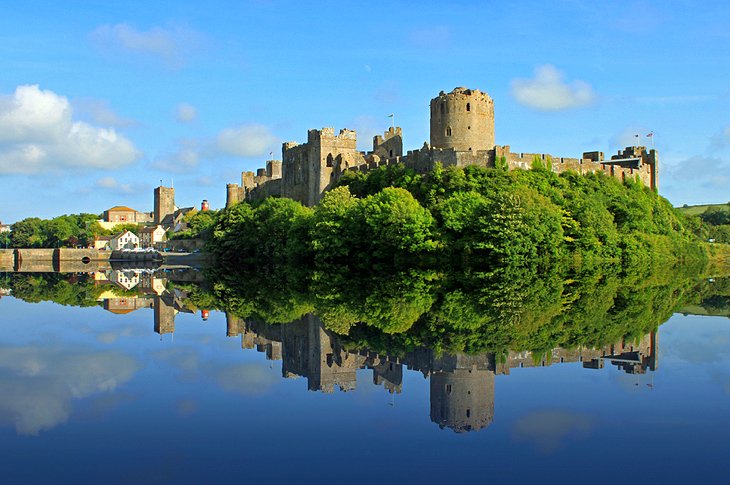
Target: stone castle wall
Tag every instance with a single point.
(462, 134)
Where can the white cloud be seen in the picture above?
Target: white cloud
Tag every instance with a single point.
(185, 113)
(40, 383)
(627, 137)
(38, 134)
(99, 112)
(184, 158)
(548, 91)
(172, 45)
(249, 140)
(722, 139)
(709, 172)
(112, 184)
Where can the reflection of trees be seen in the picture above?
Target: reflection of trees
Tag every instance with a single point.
(64, 289)
(394, 311)
(510, 307)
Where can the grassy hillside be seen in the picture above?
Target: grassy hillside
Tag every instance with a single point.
(695, 210)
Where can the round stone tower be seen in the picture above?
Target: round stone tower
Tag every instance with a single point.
(463, 399)
(463, 120)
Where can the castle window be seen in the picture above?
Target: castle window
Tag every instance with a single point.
(448, 131)
(468, 107)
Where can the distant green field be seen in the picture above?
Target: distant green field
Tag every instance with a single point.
(695, 210)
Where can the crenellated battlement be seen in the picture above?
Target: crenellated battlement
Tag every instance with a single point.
(462, 134)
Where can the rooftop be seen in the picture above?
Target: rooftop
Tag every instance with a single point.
(120, 208)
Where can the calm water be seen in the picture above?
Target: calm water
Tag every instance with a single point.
(142, 388)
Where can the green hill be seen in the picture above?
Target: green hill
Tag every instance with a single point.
(695, 210)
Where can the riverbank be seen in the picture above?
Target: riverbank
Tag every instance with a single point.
(718, 256)
(66, 260)
(194, 260)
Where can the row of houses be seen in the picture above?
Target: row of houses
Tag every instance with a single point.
(149, 237)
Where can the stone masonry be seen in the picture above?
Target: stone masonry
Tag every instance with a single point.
(462, 134)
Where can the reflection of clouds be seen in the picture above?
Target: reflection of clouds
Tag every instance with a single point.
(104, 404)
(549, 429)
(700, 347)
(246, 378)
(187, 407)
(111, 336)
(40, 383)
(183, 358)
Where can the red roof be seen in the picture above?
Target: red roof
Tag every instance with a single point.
(121, 208)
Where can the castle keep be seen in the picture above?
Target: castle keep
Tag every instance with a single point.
(462, 134)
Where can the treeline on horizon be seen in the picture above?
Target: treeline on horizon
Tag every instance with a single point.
(80, 230)
(74, 230)
(469, 216)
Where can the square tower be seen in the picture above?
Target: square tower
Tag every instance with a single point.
(164, 203)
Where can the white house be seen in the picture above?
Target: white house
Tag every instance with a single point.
(125, 279)
(125, 240)
(102, 242)
(149, 236)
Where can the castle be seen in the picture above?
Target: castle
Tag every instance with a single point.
(461, 134)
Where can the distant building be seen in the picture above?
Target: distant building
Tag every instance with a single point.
(122, 215)
(175, 222)
(149, 236)
(124, 240)
(102, 242)
(152, 285)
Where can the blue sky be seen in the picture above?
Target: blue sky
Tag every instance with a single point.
(99, 101)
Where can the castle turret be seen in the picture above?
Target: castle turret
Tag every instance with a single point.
(462, 120)
(273, 169)
(233, 195)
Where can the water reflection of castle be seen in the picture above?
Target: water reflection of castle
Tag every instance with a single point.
(461, 385)
(150, 291)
